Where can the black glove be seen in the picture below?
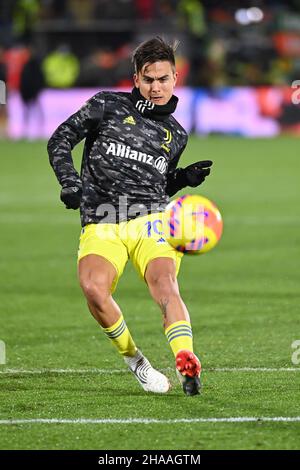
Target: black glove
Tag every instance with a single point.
(196, 173)
(71, 196)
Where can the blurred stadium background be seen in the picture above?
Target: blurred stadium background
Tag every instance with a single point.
(237, 62)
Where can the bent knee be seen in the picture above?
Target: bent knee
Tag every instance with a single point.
(96, 292)
(163, 285)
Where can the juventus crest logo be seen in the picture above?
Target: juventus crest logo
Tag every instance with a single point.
(167, 140)
(142, 105)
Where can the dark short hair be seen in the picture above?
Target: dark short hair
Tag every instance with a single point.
(151, 51)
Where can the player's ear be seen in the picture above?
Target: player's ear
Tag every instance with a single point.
(175, 77)
(136, 80)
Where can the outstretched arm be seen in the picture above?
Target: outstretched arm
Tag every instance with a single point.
(64, 139)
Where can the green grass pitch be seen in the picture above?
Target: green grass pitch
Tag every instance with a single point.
(243, 298)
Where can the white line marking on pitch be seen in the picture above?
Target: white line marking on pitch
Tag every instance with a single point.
(240, 419)
(254, 369)
(63, 371)
(125, 371)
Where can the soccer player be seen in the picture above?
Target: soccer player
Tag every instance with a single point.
(129, 171)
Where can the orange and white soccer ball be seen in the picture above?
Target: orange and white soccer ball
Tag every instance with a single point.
(192, 224)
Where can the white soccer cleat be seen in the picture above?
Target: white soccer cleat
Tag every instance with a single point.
(150, 379)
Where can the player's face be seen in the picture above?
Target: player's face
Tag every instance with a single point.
(156, 82)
